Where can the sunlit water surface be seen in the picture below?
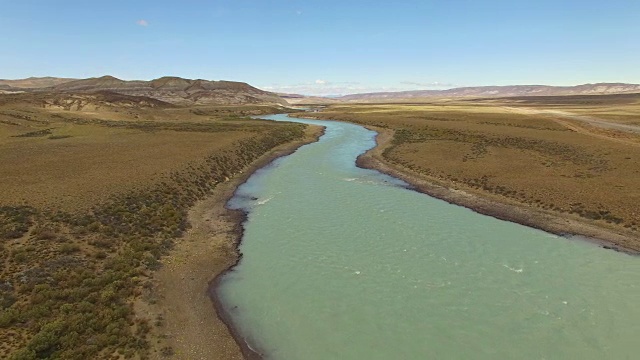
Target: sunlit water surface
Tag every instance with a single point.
(346, 263)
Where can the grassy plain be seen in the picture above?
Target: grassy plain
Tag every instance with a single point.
(622, 108)
(509, 152)
(96, 191)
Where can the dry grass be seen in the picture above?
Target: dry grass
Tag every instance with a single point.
(91, 201)
(537, 160)
(70, 160)
(622, 109)
(95, 162)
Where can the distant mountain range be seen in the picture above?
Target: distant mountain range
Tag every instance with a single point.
(33, 82)
(179, 91)
(173, 90)
(497, 91)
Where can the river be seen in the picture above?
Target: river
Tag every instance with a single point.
(347, 263)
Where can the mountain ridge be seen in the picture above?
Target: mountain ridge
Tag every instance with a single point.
(170, 89)
(176, 90)
(500, 91)
(182, 91)
(33, 82)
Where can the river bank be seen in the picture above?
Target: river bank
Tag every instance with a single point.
(345, 262)
(492, 205)
(191, 327)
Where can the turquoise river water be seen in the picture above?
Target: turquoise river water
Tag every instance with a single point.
(347, 263)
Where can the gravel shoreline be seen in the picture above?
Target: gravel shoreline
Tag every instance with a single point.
(194, 327)
(500, 208)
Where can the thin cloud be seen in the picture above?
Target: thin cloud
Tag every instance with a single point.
(299, 12)
(142, 22)
(324, 88)
(427, 84)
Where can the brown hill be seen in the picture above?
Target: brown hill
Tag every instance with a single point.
(176, 90)
(33, 82)
(496, 91)
(101, 100)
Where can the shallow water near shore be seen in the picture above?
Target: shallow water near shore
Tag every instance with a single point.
(347, 263)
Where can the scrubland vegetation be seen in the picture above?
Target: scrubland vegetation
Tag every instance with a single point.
(105, 200)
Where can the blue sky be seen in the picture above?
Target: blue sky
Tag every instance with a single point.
(326, 47)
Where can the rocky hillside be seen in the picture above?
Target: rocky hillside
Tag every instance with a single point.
(96, 101)
(176, 90)
(497, 91)
(100, 100)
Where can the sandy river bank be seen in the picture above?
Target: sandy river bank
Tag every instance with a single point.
(492, 205)
(191, 328)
